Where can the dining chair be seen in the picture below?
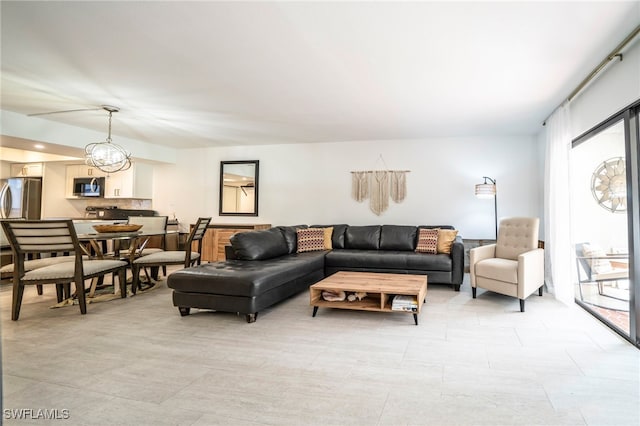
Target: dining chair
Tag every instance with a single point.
(35, 262)
(150, 225)
(185, 257)
(54, 236)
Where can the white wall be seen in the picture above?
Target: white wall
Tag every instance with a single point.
(311, 183)
(615, 88)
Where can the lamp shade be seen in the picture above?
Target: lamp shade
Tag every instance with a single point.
(485, 190)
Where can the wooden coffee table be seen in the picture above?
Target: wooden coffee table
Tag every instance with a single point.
(380, 289)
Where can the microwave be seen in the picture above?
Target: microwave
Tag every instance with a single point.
(88, 187)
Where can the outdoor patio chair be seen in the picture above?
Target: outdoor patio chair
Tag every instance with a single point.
(594, 266)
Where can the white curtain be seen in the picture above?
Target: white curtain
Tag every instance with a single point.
(557, 214)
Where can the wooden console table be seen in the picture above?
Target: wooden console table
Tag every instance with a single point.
(217, 237)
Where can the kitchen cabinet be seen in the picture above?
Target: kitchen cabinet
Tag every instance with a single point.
(136, 182)
(217, 237)
(82, 170)
(26, 170)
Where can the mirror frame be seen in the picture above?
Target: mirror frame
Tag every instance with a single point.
(256, 163)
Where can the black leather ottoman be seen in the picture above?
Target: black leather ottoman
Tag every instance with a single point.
(242, 286)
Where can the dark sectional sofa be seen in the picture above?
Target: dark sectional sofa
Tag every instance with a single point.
(263, 267)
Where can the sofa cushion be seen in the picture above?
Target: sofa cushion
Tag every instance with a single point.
(394, 237)
(290, 236)
(504, 270)
(310, 239)
(387, 259)
(362, 237)
(259, 245)
(446, 237)
(337, 237)
(427, 241)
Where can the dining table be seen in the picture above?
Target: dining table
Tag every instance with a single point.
(96, 245)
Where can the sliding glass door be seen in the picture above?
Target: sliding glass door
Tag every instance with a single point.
(599, 225)
(605, 223)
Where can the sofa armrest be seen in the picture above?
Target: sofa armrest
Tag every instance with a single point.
(530, 272)
(476, 255)
(457, 261)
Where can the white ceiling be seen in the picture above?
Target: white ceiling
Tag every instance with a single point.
(244, 73)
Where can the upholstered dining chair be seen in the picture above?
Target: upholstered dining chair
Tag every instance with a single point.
(54, 236)
(185, 257)
(151, 224)
(514, 265)
(6, 272)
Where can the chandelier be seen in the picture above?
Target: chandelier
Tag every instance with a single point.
(107, 156)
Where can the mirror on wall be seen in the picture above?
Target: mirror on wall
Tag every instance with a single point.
(239, 188)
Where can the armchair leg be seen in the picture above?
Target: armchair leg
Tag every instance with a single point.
(473, 292)
(521, 305)
(540, 291)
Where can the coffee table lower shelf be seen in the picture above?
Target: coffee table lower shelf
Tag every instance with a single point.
(380, 294)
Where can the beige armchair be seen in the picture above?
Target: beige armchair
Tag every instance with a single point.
(514, 266)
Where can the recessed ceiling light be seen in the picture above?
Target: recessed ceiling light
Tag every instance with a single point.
(38, 146)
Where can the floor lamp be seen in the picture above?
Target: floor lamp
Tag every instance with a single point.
(488, 190)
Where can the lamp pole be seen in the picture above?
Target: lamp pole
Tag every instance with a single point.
(495, 202)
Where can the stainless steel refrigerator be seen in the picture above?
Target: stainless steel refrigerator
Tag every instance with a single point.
(21, 198)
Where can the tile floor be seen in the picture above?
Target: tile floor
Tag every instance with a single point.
(469, 362)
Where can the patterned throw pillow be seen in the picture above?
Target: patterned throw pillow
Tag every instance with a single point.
(427, 241)
(446, 237)
(310, 239)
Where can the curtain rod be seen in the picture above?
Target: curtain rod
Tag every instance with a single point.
(615, 53)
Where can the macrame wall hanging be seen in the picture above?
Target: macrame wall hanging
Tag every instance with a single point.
(378, 186)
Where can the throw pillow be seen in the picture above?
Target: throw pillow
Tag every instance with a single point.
(593, 252)
(446, 237)
(310, 239)
(427, 241)
(328, 234)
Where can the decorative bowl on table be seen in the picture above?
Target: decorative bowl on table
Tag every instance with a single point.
(123, 227)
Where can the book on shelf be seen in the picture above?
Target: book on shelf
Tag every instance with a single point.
(404, 303)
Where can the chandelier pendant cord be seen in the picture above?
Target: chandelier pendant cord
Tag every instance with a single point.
(108, 156)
